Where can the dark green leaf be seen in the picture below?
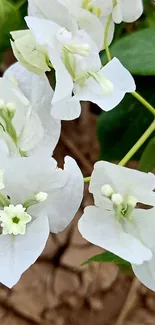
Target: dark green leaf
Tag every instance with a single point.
(106, 257)
(136, 52)
(147, 161)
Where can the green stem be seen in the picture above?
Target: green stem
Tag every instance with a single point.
(144, 102)
(106, 36)
(138, 144)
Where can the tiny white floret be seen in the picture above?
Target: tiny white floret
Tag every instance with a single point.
(117, 199)
(14, 219)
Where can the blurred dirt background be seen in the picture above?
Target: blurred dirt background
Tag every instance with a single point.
(56, 290)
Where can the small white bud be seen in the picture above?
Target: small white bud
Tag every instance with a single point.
(11, 107)
(117, 199)
(107, 190)
(131, 201)
(41, 197)
(2, 104)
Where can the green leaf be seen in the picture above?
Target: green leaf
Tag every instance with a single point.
(135, 51)
(147, 161)
(107, 257)
(119, 129)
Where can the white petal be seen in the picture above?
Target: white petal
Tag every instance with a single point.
(64, 83)
(145, 273)
(44, 30)
(63, 203)
(124, 180)
(18, 253)
(9, 92)
(66, 109)
(132, 10)
(32, 133)
(117, 13)
(92, 25)
(55, 11)
(99, 227)
(105, 102)
(119, 75)
(39, 92)
(25, 177)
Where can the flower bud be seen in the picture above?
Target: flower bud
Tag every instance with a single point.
(107, 191)
(117, 199)
(132, 201)
(41, 197)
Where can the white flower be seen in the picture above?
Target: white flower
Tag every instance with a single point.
(69, 15)
(82, 75)
(112, 222)
(37, 127)
(105, 87)
(121, 10)
(70, 55)
(38, 198)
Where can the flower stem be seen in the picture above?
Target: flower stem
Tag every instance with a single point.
(138, 144)
(144, 102)
(106, 36)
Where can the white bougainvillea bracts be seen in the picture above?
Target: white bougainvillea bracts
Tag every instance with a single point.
(116, 191)
(30, 208)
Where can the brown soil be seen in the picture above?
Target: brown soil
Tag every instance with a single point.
(56, 290)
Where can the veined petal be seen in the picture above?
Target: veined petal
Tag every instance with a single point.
(100, 227)
(123, 179)
(119, 75)
(18, 253)
(132, 10)
(93, 92)
(64, 82)
(32, 133)
(55, 11)
(39, 92)
(44, 30)
(92, 25)
(70, 197)
(66, 109)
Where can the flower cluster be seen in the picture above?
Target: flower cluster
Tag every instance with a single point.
(36, 197)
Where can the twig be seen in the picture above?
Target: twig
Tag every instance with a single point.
(129, 302)
(77, 153)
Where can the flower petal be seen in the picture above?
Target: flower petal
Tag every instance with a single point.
(18, 253)
(39, 92)
(132, 10)
(145, 273)
(123, 179)
(91, 24)
(55, 11)
(63, 203)
(119, 75)
(66, 109)
(64, 82)
(99, 227)
(44, 30)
